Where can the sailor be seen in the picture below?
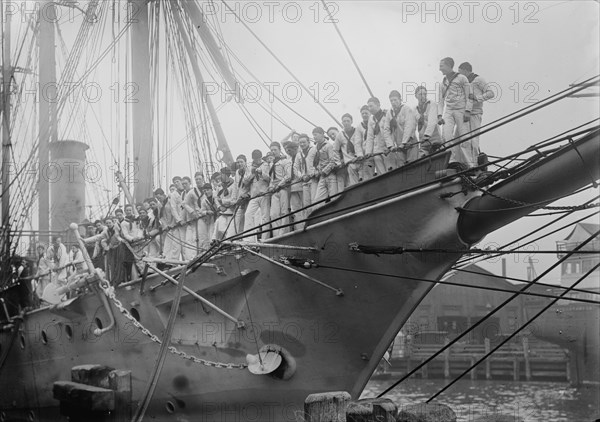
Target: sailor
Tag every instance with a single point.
(305, 160)
(401, 127)
(215, 180)
(295, 189)
(256, 180)
(208, 214)
(150, 230)
(120, 216)
(480, 92)
(130, 229)
(279, 172)
(367, 166)
(176, 200)
(76, 260)
(341, 174)
(189, 215)
(169, 221)
(130, 232)
(241, 191)
(349, 143)
(111, 243)
(57, 253)
(225, 201)
(44, 270)
(454, 112)
(427, 123)
(199, 180)
(326, 159)
(146, 205)
(378, 141)
(191, 206)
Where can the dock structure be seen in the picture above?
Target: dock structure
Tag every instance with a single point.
(525, 360)
(95, 393)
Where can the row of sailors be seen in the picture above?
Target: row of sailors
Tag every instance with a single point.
(251, 196)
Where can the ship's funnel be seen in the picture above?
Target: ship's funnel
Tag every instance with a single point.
(66, 174)
(548, 180)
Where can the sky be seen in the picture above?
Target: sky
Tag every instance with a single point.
(526, 50)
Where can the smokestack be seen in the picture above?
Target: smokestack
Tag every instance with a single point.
(66, 175)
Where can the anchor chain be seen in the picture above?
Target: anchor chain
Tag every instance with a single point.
(473, 185)
(109, 291)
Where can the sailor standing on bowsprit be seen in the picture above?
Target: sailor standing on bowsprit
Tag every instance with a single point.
(366, 167)
(427, 123)
(349, 143)
(480, 92)
(454, 113)
(225, 201)
(279, 172)
(401, 127)
(378, 139)
(326, 159)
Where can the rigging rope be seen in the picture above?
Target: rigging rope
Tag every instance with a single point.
(450, 283)
(492, 312)
(542, 228)
(334, 21)
(281, 63)
(521, 328)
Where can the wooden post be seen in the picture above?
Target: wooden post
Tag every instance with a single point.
(426, 412)
(474, 370)
(525, 342)
(326, 407)
(447, 359)
(488, 370)
(119, 381)
(370, 410)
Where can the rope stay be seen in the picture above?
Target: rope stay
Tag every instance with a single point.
(470, 286)
(512, 335)
(334, 21)
(398, 250)
(491, 313)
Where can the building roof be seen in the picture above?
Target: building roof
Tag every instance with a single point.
(589, 228)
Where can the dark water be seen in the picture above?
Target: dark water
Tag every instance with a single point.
(531, 401)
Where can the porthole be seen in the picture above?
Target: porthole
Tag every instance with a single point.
(69, 331)
(134, 313)
(44, 337)
(98, 322)
(170, 407)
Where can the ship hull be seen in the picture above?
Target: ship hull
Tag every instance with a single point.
(334, 341)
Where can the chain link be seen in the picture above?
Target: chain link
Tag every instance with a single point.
(110, 293)
(468, 180)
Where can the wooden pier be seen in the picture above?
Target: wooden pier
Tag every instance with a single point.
(514, 361)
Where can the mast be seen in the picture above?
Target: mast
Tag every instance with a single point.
(47, 124)
(6, 142)
(141, 107)
(222, 141)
